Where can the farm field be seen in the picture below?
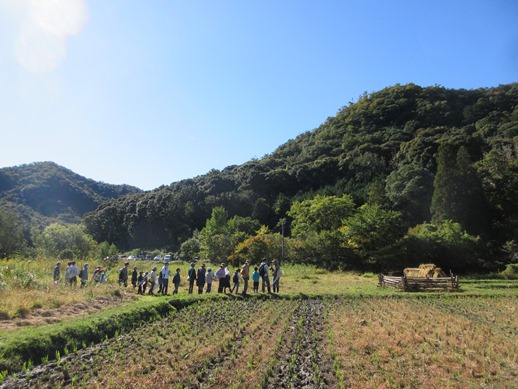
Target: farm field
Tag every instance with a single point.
(435, 341)
(28, 296)
(324, 330)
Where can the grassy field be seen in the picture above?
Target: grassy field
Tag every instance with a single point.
(324, 330)
(28, 285)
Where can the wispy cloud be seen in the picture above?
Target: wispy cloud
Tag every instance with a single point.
(44, 28)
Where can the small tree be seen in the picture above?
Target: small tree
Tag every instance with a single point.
(56, 238)
(11, 234)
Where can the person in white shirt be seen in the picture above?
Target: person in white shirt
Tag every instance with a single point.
(165, 278)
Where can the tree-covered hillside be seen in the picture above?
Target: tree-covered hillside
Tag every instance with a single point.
(44, 192)
(429, 154)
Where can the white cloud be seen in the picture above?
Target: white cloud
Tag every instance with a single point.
(41, 43)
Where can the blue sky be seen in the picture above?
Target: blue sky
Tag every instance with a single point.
(149, 92)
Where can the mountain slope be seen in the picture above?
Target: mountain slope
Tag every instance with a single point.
(381, 149)
(42, 192)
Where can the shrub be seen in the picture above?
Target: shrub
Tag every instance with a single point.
(511, 271)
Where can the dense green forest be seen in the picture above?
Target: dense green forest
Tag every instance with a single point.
(403, 176)
(434, 157)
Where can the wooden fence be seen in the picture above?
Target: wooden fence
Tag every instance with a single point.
(419, 284)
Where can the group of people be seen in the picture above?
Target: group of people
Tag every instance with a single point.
(72, 274)
(147, 282)
(203, 278)
(142, 280)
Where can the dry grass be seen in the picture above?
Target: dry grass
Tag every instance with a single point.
(386, 343)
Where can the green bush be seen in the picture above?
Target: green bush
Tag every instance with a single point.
(511, 271)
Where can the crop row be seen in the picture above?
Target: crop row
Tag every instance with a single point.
(319, 343)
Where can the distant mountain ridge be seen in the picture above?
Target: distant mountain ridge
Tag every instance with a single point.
(43, 192)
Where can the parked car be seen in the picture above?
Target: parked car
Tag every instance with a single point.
(132, 258)
(149, 257)
(167, 258)
(158, 258)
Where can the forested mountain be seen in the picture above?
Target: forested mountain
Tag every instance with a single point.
(430, 154)
(44, 192)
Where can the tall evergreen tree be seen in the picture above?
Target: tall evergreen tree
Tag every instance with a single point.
(444, 199)
(458, 193)
(472, 212)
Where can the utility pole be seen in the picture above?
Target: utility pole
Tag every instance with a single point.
(283, 221)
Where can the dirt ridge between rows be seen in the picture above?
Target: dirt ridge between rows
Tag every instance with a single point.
(301, 361)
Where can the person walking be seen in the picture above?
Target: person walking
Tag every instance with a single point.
(75, 272)
(96, 278)
(152, 281)
(68, 274)
(83, 275)
(134, 277)
(200, 278)
(57, 273)
(146, 281)
(140, 283)
(245, 275)
(160, 283)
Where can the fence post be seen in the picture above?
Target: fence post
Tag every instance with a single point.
(403, 281)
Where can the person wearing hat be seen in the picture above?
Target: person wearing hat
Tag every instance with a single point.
(176, 281)
(57, 273)
(123, 275)
(245, 275)
(84, 275)
(263, 271)
(191, 276)
(200, 278)
(276, 275)
(75, 273)
(152, 281)
(208, 279)
(96, 278)
(221, 275)
(134, 277)
(140, 282)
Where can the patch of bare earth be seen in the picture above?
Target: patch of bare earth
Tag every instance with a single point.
(303, 360)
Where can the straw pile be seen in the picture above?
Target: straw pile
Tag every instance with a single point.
(427, 270)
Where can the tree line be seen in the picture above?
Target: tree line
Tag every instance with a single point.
(403, 176)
